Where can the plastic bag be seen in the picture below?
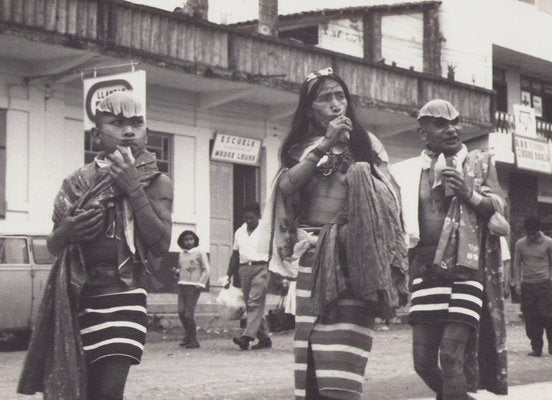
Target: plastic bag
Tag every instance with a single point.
(231, 304)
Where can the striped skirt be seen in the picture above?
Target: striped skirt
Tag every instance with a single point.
(339, 349)
(435, 301)
(113, 325)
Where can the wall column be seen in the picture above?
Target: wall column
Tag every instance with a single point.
(371, 24)
(432, 42)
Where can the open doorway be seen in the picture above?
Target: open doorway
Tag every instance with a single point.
(232, 187)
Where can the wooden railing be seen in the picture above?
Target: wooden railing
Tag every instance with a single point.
(505, 122)
(165, 37)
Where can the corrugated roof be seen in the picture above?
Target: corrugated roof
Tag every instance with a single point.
(345, 11)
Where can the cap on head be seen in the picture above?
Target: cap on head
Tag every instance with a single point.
(438, 108)
(121, 103)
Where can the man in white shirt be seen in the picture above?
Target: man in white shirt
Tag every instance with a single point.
(252, 267)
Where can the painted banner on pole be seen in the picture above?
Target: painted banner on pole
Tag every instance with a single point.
(96, 89)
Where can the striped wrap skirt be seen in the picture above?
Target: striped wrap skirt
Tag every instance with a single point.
(113, 325)
(439, 301)
(333, 355)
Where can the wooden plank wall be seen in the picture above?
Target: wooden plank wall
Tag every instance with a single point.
(382, 84)
(166, 35)
(474, 106)
(114, 22)
(261, 57)
(73, 17)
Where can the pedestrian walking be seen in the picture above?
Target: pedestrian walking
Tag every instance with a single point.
(252, 267)
(532, 274)
(108, 215)
(192, 274)
(334, 196)
(450, 198)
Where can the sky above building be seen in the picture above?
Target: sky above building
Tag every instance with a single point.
(229, 11)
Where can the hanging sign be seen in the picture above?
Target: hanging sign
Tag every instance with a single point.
(500, 146)
(236, 149)
(96, 89)
(525, 121)
(532, 154)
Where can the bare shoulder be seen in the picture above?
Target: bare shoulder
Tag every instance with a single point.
(160, 187)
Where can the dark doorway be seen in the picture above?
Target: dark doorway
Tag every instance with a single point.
(246, 190)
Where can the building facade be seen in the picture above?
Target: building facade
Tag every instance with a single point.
(203, 79)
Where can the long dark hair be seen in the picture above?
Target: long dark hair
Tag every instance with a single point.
(359, 143)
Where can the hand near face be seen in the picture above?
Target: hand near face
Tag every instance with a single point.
(456, 182)
(124, 173)
(337, 128)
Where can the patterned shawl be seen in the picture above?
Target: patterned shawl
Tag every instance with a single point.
(55, 363)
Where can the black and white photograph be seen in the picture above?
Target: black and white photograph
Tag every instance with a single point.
(276, 199)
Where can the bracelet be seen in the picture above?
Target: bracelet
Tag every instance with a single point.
(317, 152)
(475, 199)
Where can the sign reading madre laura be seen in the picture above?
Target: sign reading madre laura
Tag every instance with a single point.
(236, 149)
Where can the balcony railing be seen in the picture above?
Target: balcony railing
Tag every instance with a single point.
(200, 47)
(505, 122)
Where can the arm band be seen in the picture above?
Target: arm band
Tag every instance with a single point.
(475, 198)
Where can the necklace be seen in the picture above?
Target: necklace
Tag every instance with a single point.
(332, 162)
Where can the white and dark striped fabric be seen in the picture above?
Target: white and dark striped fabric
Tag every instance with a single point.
(113, 325)
(435, 301)
(339, 349)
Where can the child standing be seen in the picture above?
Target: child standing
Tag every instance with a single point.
(91, 326)
(192, 274)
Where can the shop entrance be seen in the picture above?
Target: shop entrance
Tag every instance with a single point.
(232, 187)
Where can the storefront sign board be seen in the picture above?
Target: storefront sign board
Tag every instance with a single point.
(532, 154)
(96, 89)
(236, 149)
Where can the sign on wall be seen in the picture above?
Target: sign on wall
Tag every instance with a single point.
(96, 89)
(525, 121)
(500, 146)
(532, 154)
(236, 149)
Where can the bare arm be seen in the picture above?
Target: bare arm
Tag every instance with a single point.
(234, 263)
(205, 270)
(299, 174)
(516, 267)
(152, 207)
(152, 211)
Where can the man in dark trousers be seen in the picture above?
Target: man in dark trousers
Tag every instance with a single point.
(252, 268)
(532, 272)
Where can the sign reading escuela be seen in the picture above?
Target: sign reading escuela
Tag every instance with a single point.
(532, 154)
(236, 149)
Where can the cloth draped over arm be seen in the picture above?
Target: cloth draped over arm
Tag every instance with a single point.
(375, 250)
(55, 363)
(460, 241)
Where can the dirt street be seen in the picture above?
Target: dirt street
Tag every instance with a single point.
(218, 370)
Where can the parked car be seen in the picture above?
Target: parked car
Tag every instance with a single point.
(24, 267)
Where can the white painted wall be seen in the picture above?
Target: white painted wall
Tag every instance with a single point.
(402, 40)
(344, 36)
(45, 143)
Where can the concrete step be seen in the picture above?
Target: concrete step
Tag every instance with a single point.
(163, 313)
